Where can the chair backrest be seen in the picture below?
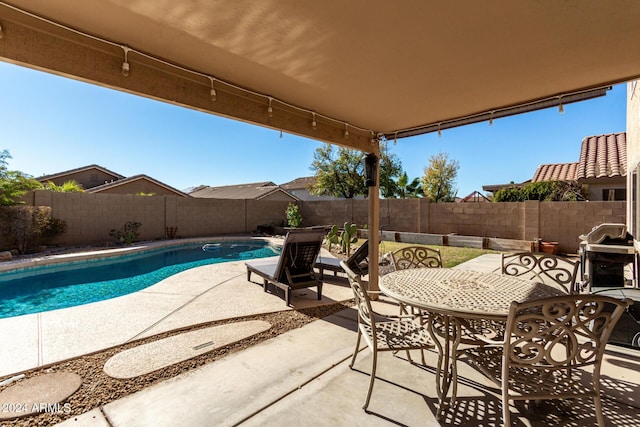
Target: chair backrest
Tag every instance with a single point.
(567, 332)
(355, 261)
(299, 252)
(363, 303)
(416, 257)
(547, 268)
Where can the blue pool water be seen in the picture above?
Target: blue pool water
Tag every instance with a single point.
(46, 288)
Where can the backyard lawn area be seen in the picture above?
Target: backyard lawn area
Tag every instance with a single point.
(451, 255)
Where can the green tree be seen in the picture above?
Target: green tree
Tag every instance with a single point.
(13, 184)
(66, 187)
(390, 168)
(439, 178)
(339, 172)
(409, 190)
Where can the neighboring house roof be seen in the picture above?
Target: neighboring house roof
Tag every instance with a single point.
(603, 156)
(133, 179)
(556, 172)
(475, 196)
(495, 187)
(302, 183)
(257, 190)
(45, 178)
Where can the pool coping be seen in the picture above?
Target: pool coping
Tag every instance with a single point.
(94, 254)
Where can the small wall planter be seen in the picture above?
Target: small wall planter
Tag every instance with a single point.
(549, 247)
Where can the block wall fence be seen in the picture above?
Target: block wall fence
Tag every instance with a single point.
(90, 217)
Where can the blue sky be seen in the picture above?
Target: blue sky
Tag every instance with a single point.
(51, 124)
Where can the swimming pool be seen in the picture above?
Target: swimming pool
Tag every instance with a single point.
(44, 288)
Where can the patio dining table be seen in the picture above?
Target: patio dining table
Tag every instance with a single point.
(455, 301)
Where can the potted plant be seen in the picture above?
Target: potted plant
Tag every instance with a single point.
(548, 247)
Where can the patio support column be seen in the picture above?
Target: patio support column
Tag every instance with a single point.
(374, 229)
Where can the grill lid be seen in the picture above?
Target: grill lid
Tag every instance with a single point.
(607, 233)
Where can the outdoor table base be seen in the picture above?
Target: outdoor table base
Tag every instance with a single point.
(447, 333)
(446, 336)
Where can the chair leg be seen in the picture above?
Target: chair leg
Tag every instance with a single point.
(319, 291)
(355, 351)
(506, 415)
(598, 404)
(403, 311)
(373, 377)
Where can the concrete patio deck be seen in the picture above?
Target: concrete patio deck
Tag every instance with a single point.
(298, 378)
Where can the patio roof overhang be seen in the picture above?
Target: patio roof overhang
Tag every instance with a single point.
(344, 72)
(370, 68)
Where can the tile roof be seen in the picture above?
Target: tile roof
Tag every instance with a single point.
(257, 190)
(603, 156)
(492, 188)
(556, 172)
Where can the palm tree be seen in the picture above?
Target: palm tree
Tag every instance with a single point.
(67, 187)
(409, 190)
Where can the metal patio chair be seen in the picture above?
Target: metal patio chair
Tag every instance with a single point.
(394, 333)
(416, 257)
(547, 268)
(553, 349)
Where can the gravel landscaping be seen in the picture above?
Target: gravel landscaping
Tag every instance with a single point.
(99, 389)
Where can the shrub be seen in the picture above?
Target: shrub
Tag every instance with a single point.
(27, 227)
(546, 191)
(294, 218)
(126, 234)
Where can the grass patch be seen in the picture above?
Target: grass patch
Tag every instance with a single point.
(451, 255)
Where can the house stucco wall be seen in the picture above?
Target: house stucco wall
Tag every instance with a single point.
(278, 196)
(87, 178)
(633, 158)
(139, 186)
(595, 190)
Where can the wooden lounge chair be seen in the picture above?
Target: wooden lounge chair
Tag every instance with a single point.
(358, 262)
(293, 269)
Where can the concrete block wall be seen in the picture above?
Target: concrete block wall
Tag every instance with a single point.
(562, 222)
(90, 216)
(477, 219)
(266, 212)
(401, 214)
(206, 217)
(328, 212)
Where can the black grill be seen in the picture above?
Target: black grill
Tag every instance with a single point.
(605, 252)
